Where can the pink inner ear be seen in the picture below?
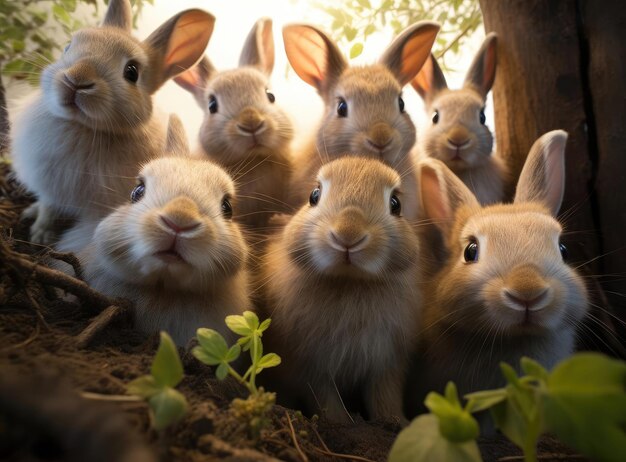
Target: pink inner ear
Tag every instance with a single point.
(190, 79)
(555, 175)
(415, 53)
(489, 68)
(423, 81)
(188, 42)
(267, 50)
(307, 54)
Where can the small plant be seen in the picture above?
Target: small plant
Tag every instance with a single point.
(167, 406)
(214, 351)
(582, 401)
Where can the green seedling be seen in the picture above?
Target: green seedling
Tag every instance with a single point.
(214, 351)
(582, 401)
(167, 406)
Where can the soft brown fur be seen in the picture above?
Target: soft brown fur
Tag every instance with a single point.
(518, 299)
(375, 126)
(458, 137)
(345, 320)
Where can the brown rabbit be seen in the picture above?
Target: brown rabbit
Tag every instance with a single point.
(340, 288)
(457, 134)
(243, 129)
(364, 111)
(504, 290)
(79, 143)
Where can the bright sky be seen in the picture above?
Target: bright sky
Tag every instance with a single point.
(234, 20)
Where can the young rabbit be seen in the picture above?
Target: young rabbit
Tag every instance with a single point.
(243, 129)
(364, 111)
(457, 134)
(78, 145)
(504, 291)
(173, 249)
(340, 288)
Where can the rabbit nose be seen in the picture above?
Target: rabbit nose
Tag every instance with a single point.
(527, 301)
(179, 227)
(254, 129)
(526, 289)
(348, 242)
(76, 84)
(379, 136)
(251, 121)
(457, 144)
(458, 137)
(181, 215)
(378, 146)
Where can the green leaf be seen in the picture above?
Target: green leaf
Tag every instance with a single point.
(534, 369)
(350, 33)
(585, 405)
(213, 349)
(452, 395)
(365, 4)
(238, 325)
(481, 400)
(370, 29)
(251, 319)
(356, 50)
(233, 353)
(144, 386)
(60, 14)
(509, 373)
(167, 369)
(264, 325)
(422, 442)
(222, 371)
(455, 423)
(18, 46)
(269, 360)
(167, 408)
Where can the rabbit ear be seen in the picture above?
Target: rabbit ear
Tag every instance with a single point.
(408, 52)
(179, 43)
(482, 72)
(430, 80)
(176, 137)
(119, 14)
(258, 50)
(314, 56)
(543, 176)
(194, 79)
(442, 193)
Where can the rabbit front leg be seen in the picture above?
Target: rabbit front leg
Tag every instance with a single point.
(383, 395)
(42, 230)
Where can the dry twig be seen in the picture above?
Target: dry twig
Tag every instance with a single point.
(295, 440)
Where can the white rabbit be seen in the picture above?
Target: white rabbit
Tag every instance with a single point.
(339, 284)
(244, 130)
(504, 290)
(456, 133)
(78, 145)
(364, 111)
(173, 249)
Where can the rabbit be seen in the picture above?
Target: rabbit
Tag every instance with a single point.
(339, 285)
(244, 130)
(79, 143)
(173, 249)
(364, 110)
(457, 134)
(505, 290)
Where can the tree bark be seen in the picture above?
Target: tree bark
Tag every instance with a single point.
(4, 120)
(550, 59)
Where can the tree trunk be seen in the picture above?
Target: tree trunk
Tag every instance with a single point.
(4, 120)
(554, 73)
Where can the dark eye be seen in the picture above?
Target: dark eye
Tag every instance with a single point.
(227, 209)
(435, 117)
(212, 104)
(138, 192)
(67, 47)
(395, 206)
(471, 251)
(401, 103)
(564, 251)
(314, 198)
(270, 96)
(131, 73)
(342, 108)
(482, 116)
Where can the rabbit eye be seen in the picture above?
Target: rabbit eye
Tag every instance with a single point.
(138, 192)
(482, 116)
(212, 104)
(314, 198)
(270, 96)
(131, 73)
(67, 47)
(395, 206)
(401, 103)
(471, 251)
(564, 251)
(435, 116)
(342, 108)
(227, 208)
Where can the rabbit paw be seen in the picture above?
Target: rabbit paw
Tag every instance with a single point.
(31, 212)
(42, 230)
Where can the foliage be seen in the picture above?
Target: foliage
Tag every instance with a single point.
(167, 406)
(214, 351)
(582, 401)
(353, 21)
(32, 31)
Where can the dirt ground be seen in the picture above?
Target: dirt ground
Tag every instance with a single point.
(49, 377)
